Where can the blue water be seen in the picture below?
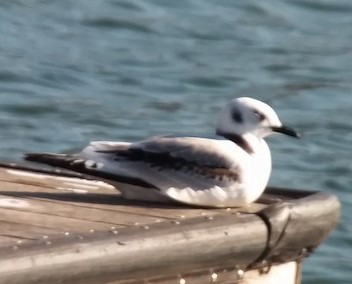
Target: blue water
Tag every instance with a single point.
(75, 71)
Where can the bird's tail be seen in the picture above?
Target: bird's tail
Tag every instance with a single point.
(88, 167)
(55, 160)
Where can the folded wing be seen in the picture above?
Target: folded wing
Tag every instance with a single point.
(182, 168)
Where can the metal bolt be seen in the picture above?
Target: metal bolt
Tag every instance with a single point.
(266, 266)
(239, 273)
(305, 252)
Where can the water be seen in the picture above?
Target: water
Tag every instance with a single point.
(75, 71)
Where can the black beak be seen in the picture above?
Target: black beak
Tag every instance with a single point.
(286, 130)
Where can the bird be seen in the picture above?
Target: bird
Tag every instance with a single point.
(232, 170)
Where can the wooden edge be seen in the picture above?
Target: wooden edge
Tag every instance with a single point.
(297, 227)
(298, 279)
(284, 273)
(186, 246)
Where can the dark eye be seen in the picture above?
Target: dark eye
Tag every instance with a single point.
(237, 116)
(259, 115)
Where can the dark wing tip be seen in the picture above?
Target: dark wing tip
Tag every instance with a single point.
(29, 156)
(74, 163)
(36, 157)
(55, 160)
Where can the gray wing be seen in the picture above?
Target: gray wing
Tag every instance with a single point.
(167, 162)
(190, 170)
(190, 149)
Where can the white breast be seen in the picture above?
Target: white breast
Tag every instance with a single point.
(258, 171)
(254, 174)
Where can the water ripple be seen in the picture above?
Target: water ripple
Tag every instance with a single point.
(111, 23)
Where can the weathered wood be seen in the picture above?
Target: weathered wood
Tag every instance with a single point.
(299, 225)
(69, 210)
(279, 274)
(166, 248)
(59, 228)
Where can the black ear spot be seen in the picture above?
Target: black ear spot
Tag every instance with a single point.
(237, 116)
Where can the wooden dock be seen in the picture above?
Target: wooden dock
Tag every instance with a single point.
(56, 227)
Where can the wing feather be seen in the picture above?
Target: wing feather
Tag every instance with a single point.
(170, 162)
(185, 169)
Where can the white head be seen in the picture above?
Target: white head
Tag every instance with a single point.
(249, 116)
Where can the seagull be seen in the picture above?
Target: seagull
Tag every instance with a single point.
(228, 172)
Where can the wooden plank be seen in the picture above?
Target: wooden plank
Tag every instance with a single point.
(101, 200)
(65, 209)
(49, 221)
(110, 202)
(42, 205)
(65, 230)
(24, 231)
(9, 239)
(61, 184)
(163, 249)
(44, 182)
(278, 274)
